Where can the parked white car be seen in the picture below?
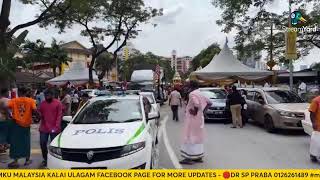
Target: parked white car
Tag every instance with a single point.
(109, 132)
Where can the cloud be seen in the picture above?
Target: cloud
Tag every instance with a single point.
(170, 15)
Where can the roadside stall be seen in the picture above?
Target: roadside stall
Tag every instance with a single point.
(226, 69)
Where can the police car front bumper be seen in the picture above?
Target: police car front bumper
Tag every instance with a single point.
(138, 160)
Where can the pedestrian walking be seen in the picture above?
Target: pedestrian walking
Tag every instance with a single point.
(235, 101)
(66, 102)
(314, 110)
(4, 120)
(19, 133)
(75, 102)
(50, 124)
(175, 101)
(302, 89)
(192, 148)
(39, 97)
(244, 107)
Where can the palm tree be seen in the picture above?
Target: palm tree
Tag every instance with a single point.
(104, 64)
(8, 62)
(56, 57)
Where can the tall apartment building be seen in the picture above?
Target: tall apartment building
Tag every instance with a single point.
(127, 51)
(180, 64)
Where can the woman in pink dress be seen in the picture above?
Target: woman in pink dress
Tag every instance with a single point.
(192, 149)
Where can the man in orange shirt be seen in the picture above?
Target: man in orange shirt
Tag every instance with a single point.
(22, 109)
(315, 119)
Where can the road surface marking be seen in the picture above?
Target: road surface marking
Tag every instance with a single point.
(171, 153)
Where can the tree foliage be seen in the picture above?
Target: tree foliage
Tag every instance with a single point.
(205, 56)
(145, 61)
(106, 22)
(8, 61)
(104, 64)
(36, 52)
(253, 22)
(48, 10)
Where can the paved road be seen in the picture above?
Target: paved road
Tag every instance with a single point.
(250, 147)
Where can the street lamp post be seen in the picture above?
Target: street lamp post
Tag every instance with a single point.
(290, 60)
(117, 78)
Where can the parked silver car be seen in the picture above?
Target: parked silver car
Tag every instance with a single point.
(217, 111)
(276, 108)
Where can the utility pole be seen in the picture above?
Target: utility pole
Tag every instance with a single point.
(290, 60)
(271, 45)
(117, 73)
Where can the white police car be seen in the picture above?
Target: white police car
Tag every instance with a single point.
(109, 132)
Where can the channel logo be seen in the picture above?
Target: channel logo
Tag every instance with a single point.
(297, 18)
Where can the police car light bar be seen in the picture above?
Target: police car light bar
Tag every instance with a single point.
(118, 93)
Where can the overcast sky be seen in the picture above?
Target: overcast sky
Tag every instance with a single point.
(187, 26)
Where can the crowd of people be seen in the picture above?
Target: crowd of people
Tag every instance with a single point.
(46, 106)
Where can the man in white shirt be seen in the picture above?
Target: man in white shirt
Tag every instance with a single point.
(175, 102)
(75, 102)
(302, 90)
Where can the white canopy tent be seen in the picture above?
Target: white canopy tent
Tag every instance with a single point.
(142, 76)
(78, 74)
(225, 66)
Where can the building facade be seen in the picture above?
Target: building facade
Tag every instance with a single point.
(180, 64)
(77, 53)
(127, 51)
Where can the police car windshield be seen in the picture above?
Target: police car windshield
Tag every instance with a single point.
(110, 111)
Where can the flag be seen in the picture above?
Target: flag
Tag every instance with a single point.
(291, 45)
(158, 70)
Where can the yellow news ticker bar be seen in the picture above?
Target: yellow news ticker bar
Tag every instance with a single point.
(158, 174)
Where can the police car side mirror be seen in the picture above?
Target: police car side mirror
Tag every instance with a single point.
(153, 115)
(67, 119)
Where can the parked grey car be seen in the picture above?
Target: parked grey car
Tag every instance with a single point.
(276, 108)
(217, 111)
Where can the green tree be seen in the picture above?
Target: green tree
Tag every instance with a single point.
(7, 32)
(36, 52)
(145, 61)
(46, 8)
(56, 57)
(8, 61)
(205, 56)
(262, 30)
(106, 23)
(104, 64)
